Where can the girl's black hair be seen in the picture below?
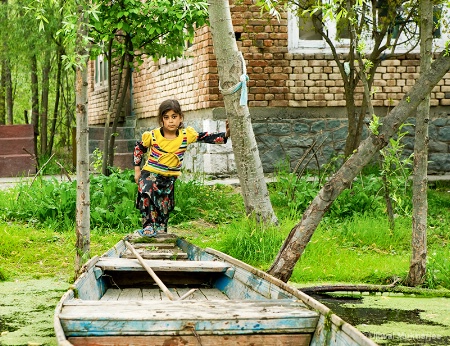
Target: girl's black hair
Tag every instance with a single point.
(168, 105)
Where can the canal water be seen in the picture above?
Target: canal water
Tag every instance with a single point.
(394, 319)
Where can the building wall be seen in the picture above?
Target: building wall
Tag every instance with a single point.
(299, 92)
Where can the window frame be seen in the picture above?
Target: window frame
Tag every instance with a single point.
(101, 71)
(297, 45)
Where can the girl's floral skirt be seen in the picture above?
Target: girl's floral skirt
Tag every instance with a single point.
(155, 201)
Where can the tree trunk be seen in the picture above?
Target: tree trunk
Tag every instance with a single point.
(68, 111)
(9, 94)
(44, 103)
(376, 288)
(417, 268)
(300, 235)
(4, 39)
(57, 98)
(111, 104)
(2, 93)
(388, 200)
(34, 99)
(350, 141)
(83, 197)
(231, 66)
(126, 83)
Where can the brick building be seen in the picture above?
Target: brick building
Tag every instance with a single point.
(295, 94)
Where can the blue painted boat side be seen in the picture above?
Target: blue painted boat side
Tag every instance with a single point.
(194, 253)
(89, 286)
(185, 327)
(243, 284)
(116, 251)
(336, 334)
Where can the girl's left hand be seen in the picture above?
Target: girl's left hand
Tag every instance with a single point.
(227, 130)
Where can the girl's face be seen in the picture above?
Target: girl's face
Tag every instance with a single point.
(171, 121)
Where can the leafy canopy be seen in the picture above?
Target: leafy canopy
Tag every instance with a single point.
(156, 28)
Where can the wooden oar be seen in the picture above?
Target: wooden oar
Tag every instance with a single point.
(150, 271)
(155, 277)
(187, 294)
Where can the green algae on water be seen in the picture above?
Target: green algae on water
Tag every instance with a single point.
(431, 327)
(26, 311)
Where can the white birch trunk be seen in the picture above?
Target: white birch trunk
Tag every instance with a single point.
(231, 67)
(300, 235)
(417, 268)
(82, 136)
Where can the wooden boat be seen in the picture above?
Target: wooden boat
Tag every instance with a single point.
(170, 292)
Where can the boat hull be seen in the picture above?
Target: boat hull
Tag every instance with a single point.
(206, 298)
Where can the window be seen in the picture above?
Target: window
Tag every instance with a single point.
(441, 18)
(302, 33)
(303, 36)
(101, 71)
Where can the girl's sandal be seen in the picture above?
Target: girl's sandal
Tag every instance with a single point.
(147, 233)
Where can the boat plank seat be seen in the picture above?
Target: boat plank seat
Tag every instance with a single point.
(187, 317)
(154, 246)
(127, 264)
(157, 255)
(157, 294)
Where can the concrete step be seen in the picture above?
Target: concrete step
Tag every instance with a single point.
(121, 160)
(12, 131)
(124, 145)
(17, 145)
(19, 165)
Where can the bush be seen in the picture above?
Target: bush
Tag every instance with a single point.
(438, 269)
(51, 203)
(291, 195)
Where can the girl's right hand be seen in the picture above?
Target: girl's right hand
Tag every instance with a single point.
(137, 173)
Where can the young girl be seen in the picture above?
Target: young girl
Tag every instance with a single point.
(156, 181)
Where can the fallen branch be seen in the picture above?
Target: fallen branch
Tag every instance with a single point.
(392, 288)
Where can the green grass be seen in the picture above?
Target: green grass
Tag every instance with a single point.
(30, 252)
(340, 253)
(352, 245)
